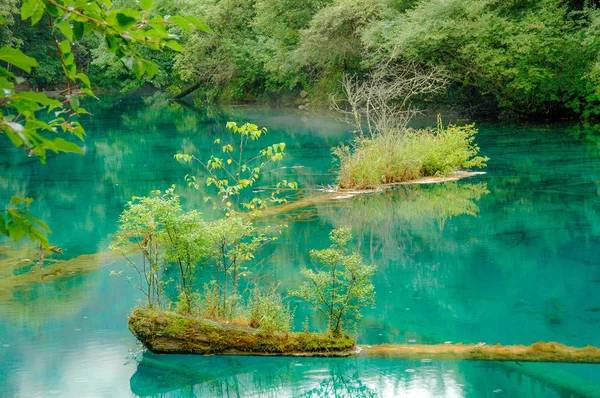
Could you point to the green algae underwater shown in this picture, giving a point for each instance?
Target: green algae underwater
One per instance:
(507, 257)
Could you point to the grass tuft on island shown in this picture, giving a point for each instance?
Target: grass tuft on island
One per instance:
(399, 156)
(165, 332)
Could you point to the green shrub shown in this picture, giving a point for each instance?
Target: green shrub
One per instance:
(340, 285)
(186, 303)
(210, 300)
(396, 157)
(267, 311)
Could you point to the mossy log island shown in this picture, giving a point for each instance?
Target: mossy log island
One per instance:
(170, 333)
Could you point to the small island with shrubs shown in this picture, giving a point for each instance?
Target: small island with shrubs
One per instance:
(338, 290)
(385, 149)
(167, 247)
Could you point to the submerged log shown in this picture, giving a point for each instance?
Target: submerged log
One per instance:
(19, 268)
(537, 352)
(170, 333)
(187, 91)
(337, 194)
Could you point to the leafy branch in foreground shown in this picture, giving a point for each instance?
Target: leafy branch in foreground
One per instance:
(125, 32)
(16, 222)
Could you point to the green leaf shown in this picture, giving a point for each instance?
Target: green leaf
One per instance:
(15, 138)
(88, 92)
(34, 220)
(172, 44)
(40, 98)
(66, 29)
(198, 23)
(69, 59)
(28, 8)
(71, 69)
(111, 44)
(123, 19)
(138, 68)
(74, 101)
(52, 9)
(38, 124)
(181, 22)
(78, 30)
(156, 33)
(145, 4)
(38, 14)
(84, 78)
(64, 46)
(17, 58)
(17, 200)
(66, 146)
(16, 229)
(128, 62)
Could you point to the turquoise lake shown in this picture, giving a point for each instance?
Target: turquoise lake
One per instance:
(508, 257)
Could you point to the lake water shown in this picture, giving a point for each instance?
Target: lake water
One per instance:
(508, 257)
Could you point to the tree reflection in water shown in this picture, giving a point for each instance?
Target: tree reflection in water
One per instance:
(222, 376)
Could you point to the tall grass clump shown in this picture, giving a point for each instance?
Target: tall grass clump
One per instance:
(268, 313)
(398, 156)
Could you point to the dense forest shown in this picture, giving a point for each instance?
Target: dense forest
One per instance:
(531, 58)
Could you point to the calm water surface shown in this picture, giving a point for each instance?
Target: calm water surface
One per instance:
(509, 257)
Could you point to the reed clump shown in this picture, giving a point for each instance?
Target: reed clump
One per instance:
(399, 156)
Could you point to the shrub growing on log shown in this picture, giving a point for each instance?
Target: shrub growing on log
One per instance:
(341, 285)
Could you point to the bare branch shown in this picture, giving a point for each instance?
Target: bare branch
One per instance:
(382, 102)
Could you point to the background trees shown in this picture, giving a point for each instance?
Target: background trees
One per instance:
(531, 58)
(520, 56)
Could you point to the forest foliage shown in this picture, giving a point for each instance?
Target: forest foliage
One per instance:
(517, 57)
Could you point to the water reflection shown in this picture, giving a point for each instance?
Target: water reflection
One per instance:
(408, 219)
(301, 377)
(129, 147)
(193, 376)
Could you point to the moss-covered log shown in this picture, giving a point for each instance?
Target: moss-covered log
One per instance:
(171, 333)
(537, 352)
